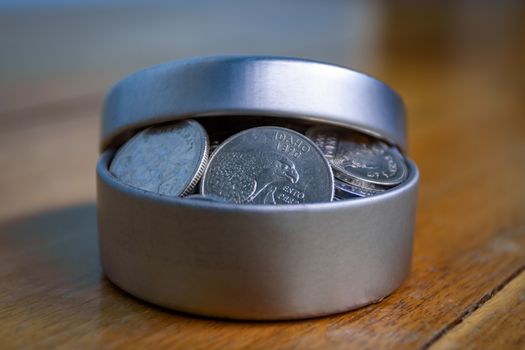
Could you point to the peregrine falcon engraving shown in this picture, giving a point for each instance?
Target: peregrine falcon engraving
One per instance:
(245, 177)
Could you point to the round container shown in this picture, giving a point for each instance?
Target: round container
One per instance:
(253, 261)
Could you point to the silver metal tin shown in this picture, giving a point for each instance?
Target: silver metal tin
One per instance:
(254, 86)
(252, 261)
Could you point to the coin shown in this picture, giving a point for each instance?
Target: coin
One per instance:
(360, 157)
(344, 190)
(168, 159)
(352, 181)
(208, 198)
(269, 165)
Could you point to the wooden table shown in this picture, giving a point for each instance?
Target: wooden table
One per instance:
(460, 70)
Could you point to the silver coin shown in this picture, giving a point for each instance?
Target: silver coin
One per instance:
(168, 159)
(269, 165)
(359, 156)
(208, 198)
(344, 190)
(352, 181)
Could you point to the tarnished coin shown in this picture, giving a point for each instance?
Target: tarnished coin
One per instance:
(168, 159)
(359, 156)
(268, 165)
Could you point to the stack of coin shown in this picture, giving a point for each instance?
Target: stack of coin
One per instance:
(363, 166)
(267, 164)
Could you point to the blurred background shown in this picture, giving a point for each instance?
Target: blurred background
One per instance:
(456, 64)
(460, 60)
(459, 66)
(58, 49)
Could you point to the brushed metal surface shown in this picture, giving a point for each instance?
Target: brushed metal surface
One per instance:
(255, 262)
(254, 86)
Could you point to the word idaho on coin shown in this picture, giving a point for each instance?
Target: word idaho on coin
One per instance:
(268, 165)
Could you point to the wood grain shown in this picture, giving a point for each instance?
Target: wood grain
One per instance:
(460, 71)
(499, 322)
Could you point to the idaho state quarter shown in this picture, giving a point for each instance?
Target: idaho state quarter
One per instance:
(167, 159)
(360, 157)
(269, 165)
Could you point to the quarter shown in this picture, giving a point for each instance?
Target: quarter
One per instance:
(345, 190)
(360, 157)
(200, 197)
(269, 165)
(168, 159)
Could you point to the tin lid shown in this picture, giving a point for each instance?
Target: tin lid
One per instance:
(253, 86)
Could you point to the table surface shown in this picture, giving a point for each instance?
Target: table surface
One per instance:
(460, 71)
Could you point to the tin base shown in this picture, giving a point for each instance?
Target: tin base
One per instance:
(255, 262)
